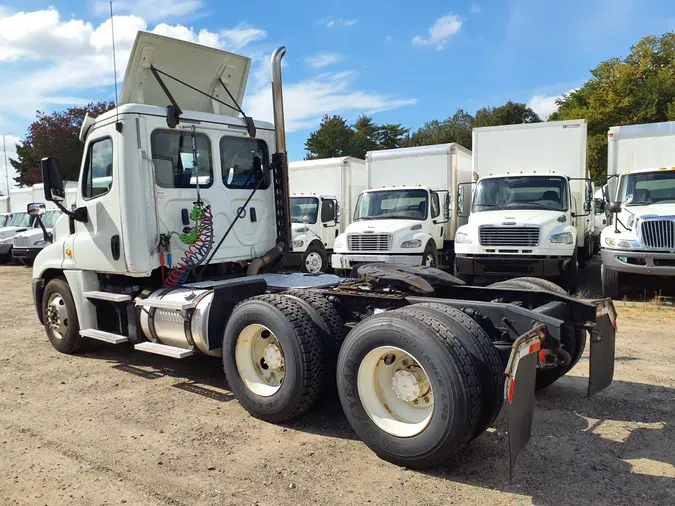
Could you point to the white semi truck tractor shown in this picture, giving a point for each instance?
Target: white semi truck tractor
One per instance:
(641, 189)
(407, 215)
(531, 210)
(323, 194)
(180, 222)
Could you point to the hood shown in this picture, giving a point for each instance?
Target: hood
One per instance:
(650, 211)
(533, 217)
(32, 233)
(6, 232)
(381, 226)
(199, 66)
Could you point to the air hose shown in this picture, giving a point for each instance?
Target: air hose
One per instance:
(200, 241)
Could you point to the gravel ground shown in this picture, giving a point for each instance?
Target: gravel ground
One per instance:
(114, 426)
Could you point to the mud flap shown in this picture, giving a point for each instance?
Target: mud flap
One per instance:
(603, 336)
(521, 372)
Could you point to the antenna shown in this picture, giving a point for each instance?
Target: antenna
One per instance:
(118, 125)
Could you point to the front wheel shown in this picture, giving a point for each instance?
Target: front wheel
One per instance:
(570, 274)
(60, 317)
(430, 256)
(610, 282)
(314, 260)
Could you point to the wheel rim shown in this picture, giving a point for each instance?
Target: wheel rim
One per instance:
(57, 316)
(260, 360)
(395, 391)
(313, 262)
(429, 260)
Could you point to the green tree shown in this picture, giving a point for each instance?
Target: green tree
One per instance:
(57, 135)
(637, 89)
(390, 136)
(333, 138)
(511, 113)
(365, 136)
(456, 128)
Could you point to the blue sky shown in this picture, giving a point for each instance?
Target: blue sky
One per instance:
(401, 62)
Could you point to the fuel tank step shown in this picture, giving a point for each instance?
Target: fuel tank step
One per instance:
(163, 349)
(109, 296)
(170, 305)
(101, 335)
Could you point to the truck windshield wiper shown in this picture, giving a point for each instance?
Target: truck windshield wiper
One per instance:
(490, 205)
(364, 218)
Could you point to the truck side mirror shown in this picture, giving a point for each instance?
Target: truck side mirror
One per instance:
(35, 209)
(51, 177)
(337, 212)
(614, 207)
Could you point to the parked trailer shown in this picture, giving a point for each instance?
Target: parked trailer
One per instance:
(421, 362)
(641, 181)
(531, 209)
(323, 194)
(406, 216)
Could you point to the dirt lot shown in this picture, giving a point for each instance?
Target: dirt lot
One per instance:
(114, 426)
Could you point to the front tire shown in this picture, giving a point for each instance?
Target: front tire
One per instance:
(408, 388)
(60, 317)
(430, 255)
(570, 275)
(611, 282)
(314, 259)
(273, 357)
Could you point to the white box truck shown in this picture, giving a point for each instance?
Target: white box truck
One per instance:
(406, 215)
(641, 188)
(323, 194)
(530, 214)
(17, 221)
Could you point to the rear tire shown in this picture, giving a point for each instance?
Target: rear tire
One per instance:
(418, 439)
(60, 317)
(611, 282)
(483, 354)
(288, 390)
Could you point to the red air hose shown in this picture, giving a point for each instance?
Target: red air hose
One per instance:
(196, 253)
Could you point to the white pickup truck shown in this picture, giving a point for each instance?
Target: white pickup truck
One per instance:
(406, 215)
(323, 194)
(641, 172)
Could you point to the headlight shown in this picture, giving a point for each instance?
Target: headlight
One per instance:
(462, 238)
(6, 241)
(621, 243)
(564, 238)
(415, 243)
(298, 244)
(337, 244)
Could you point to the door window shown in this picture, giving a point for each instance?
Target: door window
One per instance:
(435, 205)
(243, 162)
(327, 211)
(98, 169)
(174, 161)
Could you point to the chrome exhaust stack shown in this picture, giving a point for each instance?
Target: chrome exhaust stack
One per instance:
(278, 100)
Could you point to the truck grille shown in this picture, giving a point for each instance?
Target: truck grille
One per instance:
(658, 233)
(509, 236)
(21, 242)
(369, 242)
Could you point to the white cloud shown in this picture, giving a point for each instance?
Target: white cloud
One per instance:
(440, 32)
(475, 9)
(321, 60)
(150, 10)
(544, 105)
(307, 101)
(388, 39)
(337, 22)
(10, 142)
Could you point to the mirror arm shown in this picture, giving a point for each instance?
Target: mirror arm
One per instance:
(45, 234)
(80, 214)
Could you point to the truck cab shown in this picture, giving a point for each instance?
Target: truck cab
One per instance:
(26, 245)
(314, 222)
(15, 224)
(395, 225)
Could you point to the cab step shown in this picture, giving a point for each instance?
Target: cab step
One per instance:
(101, 335)
(170, 305)
(109, 296)
(163, 349)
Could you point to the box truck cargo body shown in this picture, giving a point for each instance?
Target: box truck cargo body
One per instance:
(323, 194)
(531, 206)
(406, 216)
(641, 186)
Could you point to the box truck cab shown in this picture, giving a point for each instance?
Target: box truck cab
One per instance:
(323, 194)
(530, 214)
(407, 215)
(641, 190)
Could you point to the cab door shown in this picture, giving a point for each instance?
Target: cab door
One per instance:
(439, 220)
(329, 221)
(97, 244)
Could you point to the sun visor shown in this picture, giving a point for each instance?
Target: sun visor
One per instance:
(198, 66)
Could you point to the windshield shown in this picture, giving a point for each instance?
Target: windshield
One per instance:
(20, 220)
(304, 206)
(648, 187)
(392, 204)
(523, 192)
(50, 218)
